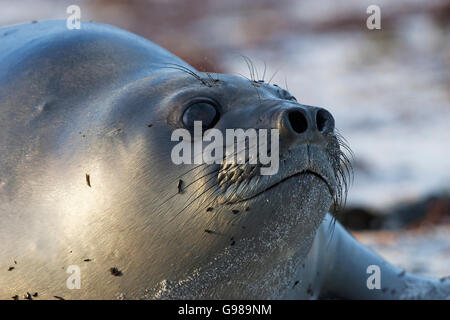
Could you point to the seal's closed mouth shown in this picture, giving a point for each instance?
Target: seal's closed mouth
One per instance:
(304, 172)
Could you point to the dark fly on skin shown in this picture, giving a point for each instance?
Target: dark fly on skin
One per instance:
(88, 180)
(180, 186)
(115, 272)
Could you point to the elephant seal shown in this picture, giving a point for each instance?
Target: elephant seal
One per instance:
(88, 188)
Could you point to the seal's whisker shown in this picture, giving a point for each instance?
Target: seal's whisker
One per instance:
(182, 68)
(214, 197)
(346, 147)
(346, 164)
(249, 66)
(191, 169)
(216, 172)
(176, 193)
(254, 84)
(343, 189)
(273, 75)
(191, 183)
(259, 96)
(338, 198)
(186, 172)
(331, 227)
(227, 157)
(212, 81)
(188, 71)
(256, 71)
(346, 159)
(343, 173)
(203, 176)
(344, 185)
(340, 136)
(344, 195)
(343, 142)
(190, 203)
(201, 186)
(264, 73)
(209, 173)
(241, 75)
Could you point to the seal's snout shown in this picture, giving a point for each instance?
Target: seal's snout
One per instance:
(304, 123)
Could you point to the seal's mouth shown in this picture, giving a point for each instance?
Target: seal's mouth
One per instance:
(236, 183)
(239, 183)
(293, 176)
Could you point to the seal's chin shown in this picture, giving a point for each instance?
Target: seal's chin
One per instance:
(298, 175)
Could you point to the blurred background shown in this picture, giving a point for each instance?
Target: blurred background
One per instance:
(388, 89)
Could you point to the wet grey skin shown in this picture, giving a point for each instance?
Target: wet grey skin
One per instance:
(86, 179)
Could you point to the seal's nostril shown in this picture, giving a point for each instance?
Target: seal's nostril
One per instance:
(321, 120)
(298, 121)
(324, 120)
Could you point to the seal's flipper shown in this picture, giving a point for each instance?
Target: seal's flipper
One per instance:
(349, 274)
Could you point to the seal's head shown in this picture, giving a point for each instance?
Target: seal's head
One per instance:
(202, 208)
(89, 170)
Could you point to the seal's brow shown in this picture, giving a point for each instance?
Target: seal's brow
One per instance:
(207, 82)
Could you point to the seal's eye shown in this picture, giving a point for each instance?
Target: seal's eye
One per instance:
(200, 111)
